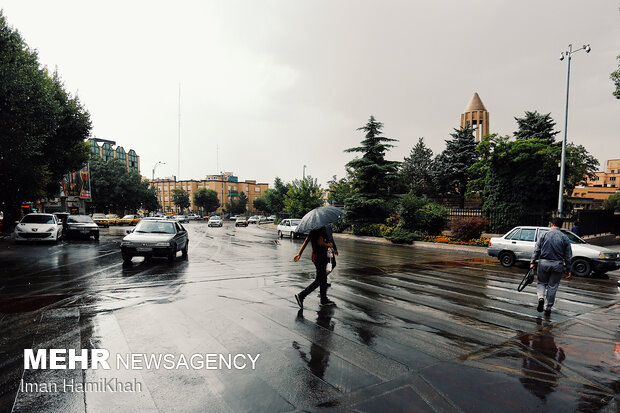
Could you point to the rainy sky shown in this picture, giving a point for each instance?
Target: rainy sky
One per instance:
(279, 84)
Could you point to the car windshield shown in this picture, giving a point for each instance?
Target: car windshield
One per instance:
(155, 227)
(79, 218)
(128, 217)
(572, 237)
(98, 216)
(38, 219)
(110, 216)
(295, 221)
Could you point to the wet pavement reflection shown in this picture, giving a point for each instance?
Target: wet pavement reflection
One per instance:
(414, 329)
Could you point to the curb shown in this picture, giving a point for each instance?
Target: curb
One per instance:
(467, 249)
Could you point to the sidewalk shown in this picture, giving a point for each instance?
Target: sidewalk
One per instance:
(467, 249)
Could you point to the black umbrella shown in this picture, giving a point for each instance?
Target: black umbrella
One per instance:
(527, 280)
(318, 218)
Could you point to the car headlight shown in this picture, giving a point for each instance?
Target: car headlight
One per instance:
(162, 244)
(607, 255)
(50, 230)
(18, 229)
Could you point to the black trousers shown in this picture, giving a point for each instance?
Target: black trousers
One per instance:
(319, 281)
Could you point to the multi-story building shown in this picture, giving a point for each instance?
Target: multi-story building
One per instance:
(599, 188)
(226, 185)
(107, 152)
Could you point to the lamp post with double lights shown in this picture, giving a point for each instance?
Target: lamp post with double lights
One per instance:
(568, 54)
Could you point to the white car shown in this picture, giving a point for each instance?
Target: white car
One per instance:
(253, 219)
(518, 245)
(38, 227)
(215, 221)
(288, 227)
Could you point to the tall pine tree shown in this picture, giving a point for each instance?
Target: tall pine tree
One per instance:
(374, 177)
(416, 170)
(536, 126)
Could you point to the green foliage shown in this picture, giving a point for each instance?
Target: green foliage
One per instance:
(536, 126)
(417, 170)
(452, 168)
(206, 199)
(238, 206)
(580, 166)
(371, 230)
(612, 203)
(274, 198)
(303, 196)
(180, 197)
(421, 215)
(373, 177)
(340, 225)
(615, 77)
(115, 189)
(42, 127)
(339, 190)
(260, 205)
(400, 235)
(468, 228)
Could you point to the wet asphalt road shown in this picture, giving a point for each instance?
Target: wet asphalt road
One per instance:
(414, 329)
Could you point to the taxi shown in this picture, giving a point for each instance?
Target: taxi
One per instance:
(129, 220)
(112, 219)
(101, 220)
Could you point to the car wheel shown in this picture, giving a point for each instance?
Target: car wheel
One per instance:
(506, 258)
(127, 258)
(280, 234)
(172, 254)
(96, 236)
(184, 252)
(581, 267)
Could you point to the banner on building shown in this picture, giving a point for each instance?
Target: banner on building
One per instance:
(76, 184)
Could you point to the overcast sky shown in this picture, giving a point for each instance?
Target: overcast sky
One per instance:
(282, 84)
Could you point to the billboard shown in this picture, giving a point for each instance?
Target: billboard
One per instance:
(76, 184)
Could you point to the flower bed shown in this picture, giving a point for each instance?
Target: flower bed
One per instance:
(442, 239)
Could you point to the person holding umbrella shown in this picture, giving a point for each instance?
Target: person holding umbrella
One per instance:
(316, 222)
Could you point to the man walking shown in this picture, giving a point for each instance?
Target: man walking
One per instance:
(554, 253)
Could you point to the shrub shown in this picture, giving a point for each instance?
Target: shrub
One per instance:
(340, 225)
(469, 228)
(401, 235)
(373, 230)
(432, 218)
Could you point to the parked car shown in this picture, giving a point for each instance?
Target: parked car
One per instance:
(129, 220)
(112, 219)
(155, 238)
(101, 220)
(235, 217)
(181, 218)
(215, 221)
(262, 219)
(271, 218)
(518, 245)
(253, 219)
(194, 217)
(241, 222)
(38, 227)
(288, 227)
(81, 226)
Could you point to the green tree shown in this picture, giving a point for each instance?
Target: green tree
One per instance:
(416, 171)
(206, 199)
(580, 166)
(275, 197)
(421, 215)
(536, 126)
(615, 77)
(242, 203)
(42, 128)
(261, 205)
(180, 198)
(452, 168)
(303, 196)
(373, 176)
(612, 203)
(339, 190)
(115, 189)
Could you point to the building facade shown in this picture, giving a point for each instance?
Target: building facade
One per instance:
(477, 116)
(106, 151)
(226, 185)
(602, 186)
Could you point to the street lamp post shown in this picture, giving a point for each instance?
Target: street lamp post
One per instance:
(155, 167)
(568, 54)
(304, 173)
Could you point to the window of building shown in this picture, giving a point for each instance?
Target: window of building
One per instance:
(256, 189)
(166, 198)
(94, 150)
(133, 160)
(612, 178)
(106, 152)
(121, 155)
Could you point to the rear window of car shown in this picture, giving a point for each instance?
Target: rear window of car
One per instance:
(528, 234)
(79, 218)
(38, 219)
